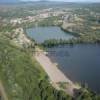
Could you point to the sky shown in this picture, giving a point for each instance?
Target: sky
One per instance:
(69, 0)
(53, 0)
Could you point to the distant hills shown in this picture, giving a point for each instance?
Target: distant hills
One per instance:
(20, 1)
(13, 1)
(9, 1)
(23, 1)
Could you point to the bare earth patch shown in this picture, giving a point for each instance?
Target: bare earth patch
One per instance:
(57, 78)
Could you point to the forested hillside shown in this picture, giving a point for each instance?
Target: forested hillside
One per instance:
(22, 76)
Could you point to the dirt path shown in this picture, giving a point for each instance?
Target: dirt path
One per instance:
(2, 92)
(55, 75)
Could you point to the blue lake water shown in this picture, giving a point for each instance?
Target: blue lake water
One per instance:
(40, 34)
(81, 63)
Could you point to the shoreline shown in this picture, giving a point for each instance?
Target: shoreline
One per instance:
(56, 76)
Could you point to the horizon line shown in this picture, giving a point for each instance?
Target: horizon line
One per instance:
(60, 1)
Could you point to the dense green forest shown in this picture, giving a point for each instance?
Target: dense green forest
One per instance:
(84, 39)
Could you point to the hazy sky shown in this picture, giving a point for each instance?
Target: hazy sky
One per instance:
(69, 0)
(53, 0)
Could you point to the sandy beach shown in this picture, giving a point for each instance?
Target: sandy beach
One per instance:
(56, 75)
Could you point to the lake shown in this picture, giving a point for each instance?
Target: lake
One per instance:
(40, 34)
(81, 63)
